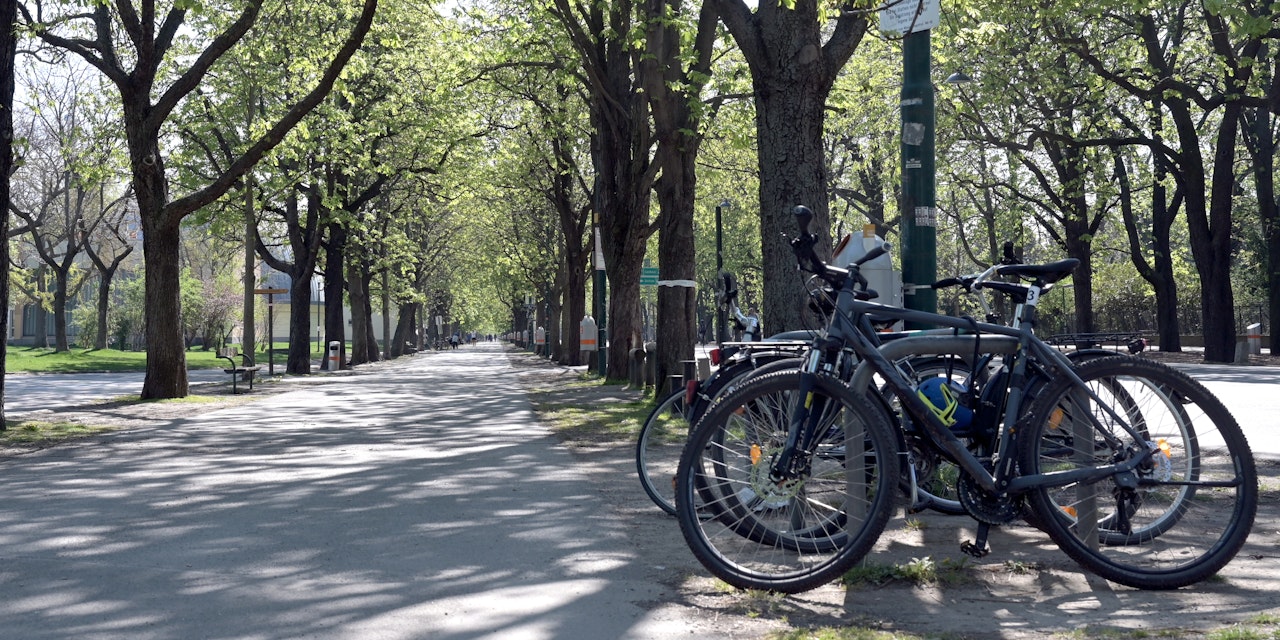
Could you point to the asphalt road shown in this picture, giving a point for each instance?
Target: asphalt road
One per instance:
(1252, 394)
(425, 501)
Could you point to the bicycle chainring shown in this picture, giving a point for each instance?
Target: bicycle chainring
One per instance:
(985, 506)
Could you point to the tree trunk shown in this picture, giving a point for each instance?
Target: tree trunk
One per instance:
(620, 151)
(299, 360)
(60, 343)
(359, 300)
(1214, 255)
(1163, 281)
(404, 329)
(386, 313)
(1159, 272)
(334, 285)
(104, 303)
(249, 337)
(676, 127)
(789, 129)
(792, 73)
(372, 352)
(1078, 241)
(166, 350)
(622, 201)
(1263, 148)
(555, 311)
(8, 52)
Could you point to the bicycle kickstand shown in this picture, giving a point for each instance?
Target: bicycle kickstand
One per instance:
(978, 548)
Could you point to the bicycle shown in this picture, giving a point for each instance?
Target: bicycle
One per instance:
(1134, 470)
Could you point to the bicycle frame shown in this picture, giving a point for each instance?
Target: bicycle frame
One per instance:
(850, 330)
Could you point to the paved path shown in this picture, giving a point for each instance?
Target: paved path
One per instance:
(423, 501)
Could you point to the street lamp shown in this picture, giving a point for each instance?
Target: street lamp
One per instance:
(721, 314)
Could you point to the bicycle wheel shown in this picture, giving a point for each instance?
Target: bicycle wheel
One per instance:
(807, 529)
(1177, 518)
(658, 450)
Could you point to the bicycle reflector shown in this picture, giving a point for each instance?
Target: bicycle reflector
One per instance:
(714, 354)
(942, 396)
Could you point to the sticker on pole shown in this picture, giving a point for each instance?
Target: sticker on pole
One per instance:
(926, 216)
(900, 17)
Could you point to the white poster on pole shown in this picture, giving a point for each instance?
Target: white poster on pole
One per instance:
(900, 17)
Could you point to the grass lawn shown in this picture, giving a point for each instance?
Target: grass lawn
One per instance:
(33, 360)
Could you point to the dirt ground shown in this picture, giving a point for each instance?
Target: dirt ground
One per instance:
(1025, 588)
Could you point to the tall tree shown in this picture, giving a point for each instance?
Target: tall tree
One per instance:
(621, 151)
(107, 248)
(1260, 139)
(1197, 63)
(8, 55)
(674, 90)
(792, 72)
(130, 43)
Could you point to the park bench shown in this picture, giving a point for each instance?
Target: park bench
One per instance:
(1130, 340)
(244, 371)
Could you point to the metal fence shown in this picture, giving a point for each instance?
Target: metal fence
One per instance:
(1143, 320)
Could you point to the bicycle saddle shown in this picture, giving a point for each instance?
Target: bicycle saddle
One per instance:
(1048, 273)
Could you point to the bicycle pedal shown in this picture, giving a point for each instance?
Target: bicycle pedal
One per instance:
(974, 550)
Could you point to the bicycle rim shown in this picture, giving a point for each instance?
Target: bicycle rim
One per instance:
(797, 534)
(1194, 500)
(658, 450)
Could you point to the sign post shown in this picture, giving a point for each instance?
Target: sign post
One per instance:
(648, 276)
(271, 324)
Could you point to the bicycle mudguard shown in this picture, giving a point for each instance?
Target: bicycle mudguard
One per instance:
(952, 345)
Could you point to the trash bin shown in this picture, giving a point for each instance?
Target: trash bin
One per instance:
(334, 360)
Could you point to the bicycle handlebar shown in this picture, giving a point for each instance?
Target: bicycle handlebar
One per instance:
(802, 245)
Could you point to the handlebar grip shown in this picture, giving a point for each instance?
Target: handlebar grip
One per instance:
(804, 216)
(946, 282)
(873, 253)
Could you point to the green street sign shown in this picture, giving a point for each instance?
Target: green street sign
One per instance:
(648, 276)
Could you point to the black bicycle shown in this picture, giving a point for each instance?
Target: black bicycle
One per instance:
(1135, 470)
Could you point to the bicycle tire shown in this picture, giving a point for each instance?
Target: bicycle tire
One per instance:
(658, 448)
(1194, 502)
(765, 548)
